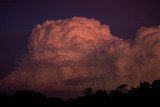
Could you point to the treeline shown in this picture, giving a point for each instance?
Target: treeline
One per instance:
(145, 94)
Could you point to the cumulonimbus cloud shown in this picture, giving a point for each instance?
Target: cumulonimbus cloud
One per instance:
(76, 53)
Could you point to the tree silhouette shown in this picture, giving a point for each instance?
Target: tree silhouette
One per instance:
(101, 93)
(145, 85)
(143, 95)
(87, 92)
(122, 88)
(156, 85)
(27, 98)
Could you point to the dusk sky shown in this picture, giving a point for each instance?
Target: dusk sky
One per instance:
(19, 17)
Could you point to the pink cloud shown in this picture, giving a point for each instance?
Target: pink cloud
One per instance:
(76, 53)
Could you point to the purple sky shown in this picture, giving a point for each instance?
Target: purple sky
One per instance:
(18, 17)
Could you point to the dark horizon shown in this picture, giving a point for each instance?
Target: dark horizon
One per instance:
(142, 95)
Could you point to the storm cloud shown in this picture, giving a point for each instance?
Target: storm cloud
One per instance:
(77, 53)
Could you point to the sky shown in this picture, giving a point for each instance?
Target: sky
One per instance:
(19, 17)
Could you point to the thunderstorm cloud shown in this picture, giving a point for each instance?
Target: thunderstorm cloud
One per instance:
(77, 53)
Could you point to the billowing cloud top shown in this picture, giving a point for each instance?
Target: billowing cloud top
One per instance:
(76, 53)
(64, 39)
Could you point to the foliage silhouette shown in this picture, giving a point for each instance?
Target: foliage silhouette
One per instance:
(87, 92)
(143, 95)
(122, 88)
